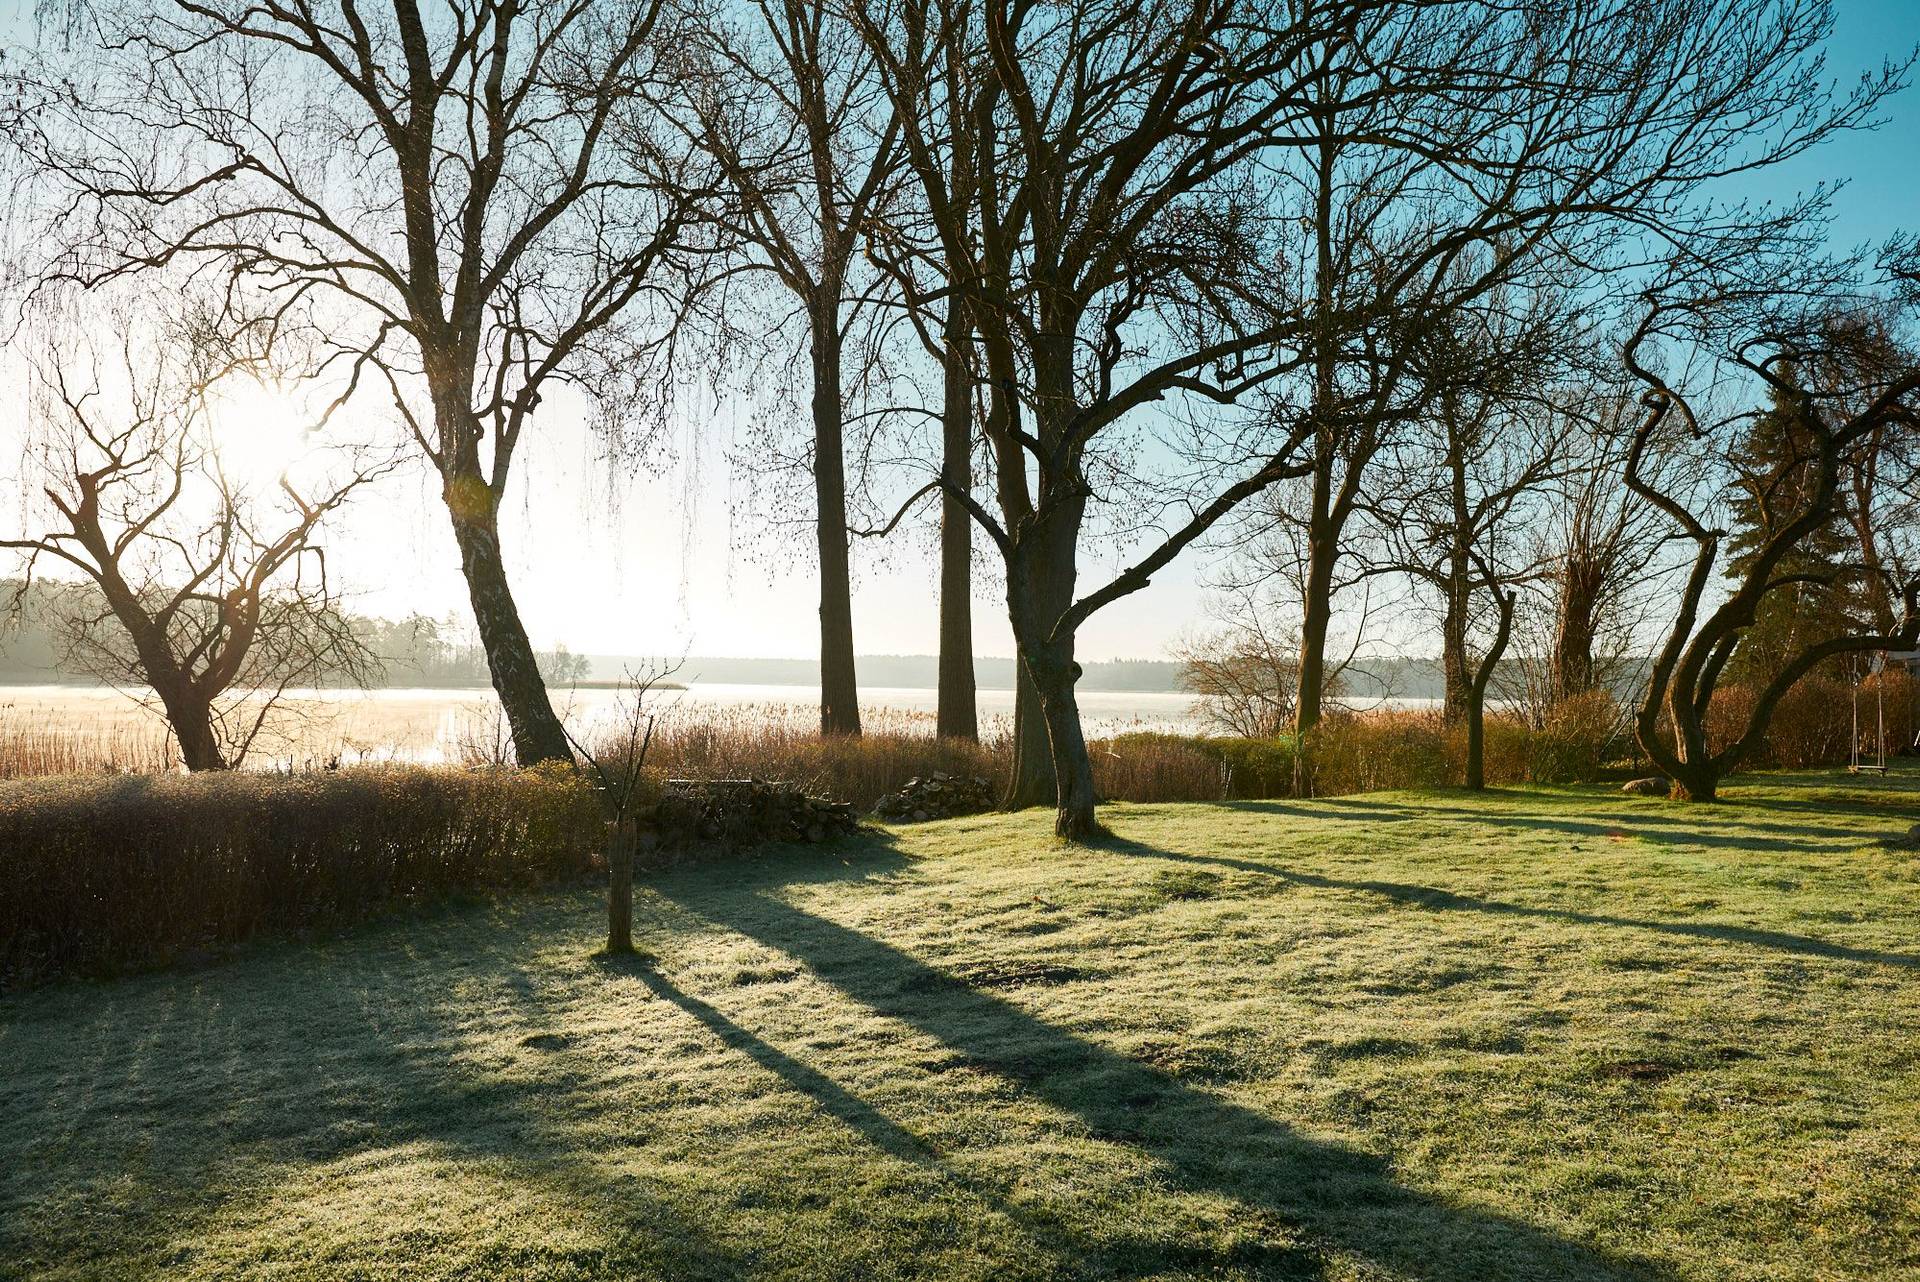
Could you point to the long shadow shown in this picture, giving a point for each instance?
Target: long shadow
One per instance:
(1340, 1199)
(879, 1129)
(1690, 820)
(1319, 808)
(1438, 898)
(1689, 829)
(1901, 803)
(1046, 1230)
(362, 1059)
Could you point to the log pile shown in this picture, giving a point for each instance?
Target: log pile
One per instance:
(736, 813)
(938, 795)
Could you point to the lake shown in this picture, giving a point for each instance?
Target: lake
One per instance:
(437, 725)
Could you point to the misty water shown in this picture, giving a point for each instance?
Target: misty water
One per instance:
(450, 725)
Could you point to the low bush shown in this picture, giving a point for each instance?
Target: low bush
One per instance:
(100, 875)
(1368, 752)
(1151, 766)
(1813, 724)
(1580, 737)
(103, 874)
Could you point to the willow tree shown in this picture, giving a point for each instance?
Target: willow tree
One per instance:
(436, 190)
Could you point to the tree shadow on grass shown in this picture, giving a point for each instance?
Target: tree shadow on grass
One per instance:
(1441, 899)
(1344, 1203)
(184, 1111)
(1704, 827)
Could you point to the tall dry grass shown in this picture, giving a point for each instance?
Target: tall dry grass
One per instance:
(35, 746)
(779, 742)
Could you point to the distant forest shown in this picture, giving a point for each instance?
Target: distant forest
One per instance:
(439, 653)
(416, 651)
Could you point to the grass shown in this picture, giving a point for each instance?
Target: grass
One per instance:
(1554, 1034)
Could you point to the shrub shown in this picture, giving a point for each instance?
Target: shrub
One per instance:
(1577, 740)
(1150, 766)
(1378, 750)
(1813, 725)
(755, 743)
(99, 875)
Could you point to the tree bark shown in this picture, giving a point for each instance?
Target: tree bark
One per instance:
(191, 718)
(1572, 671)
(622, 836)
(958, 711)
(839, 690)
(1458, 695)
(1055, 673)
(1040, 585)
(537, 733)
(1476, 773)
(1031, 782)
(1315, 617)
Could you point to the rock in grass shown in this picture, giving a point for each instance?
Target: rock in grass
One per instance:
(1909, 841)
(1651, 786)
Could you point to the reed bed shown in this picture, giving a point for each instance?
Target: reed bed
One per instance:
(91, 733)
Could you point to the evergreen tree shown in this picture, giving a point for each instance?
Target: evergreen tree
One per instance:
(1819, 590)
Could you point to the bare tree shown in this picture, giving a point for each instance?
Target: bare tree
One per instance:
(1195, 203)
(198, 587)
(1838, 403)
(435, 190)
(796, 121)
(1111, 270)
(1645, 107)
(1466, 482)
(1601, 545)
(1242, 670)
(619, 774)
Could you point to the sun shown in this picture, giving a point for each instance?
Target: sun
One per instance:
(259, 431)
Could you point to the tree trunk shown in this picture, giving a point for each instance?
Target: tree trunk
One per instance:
(1458, 698)
(1040, 586)
(622, 836)
(1315, 616)
(1032, 782)
(537, 733)
(958, 712)
(1695, 775)
(839, 691)
(1039, 590)
(1055, 673)
(1476, 709)
(1695, 785)
(191, 718)
(1316, 610)
(1572, 662)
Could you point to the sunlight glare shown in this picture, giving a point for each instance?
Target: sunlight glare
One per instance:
(258, 430)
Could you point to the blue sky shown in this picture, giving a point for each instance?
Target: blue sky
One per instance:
(651, 565)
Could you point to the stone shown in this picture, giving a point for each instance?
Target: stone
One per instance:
(937, 795)
(1651, 786)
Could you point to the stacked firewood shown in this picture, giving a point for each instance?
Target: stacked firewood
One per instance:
(938, 795)
(746, 812)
